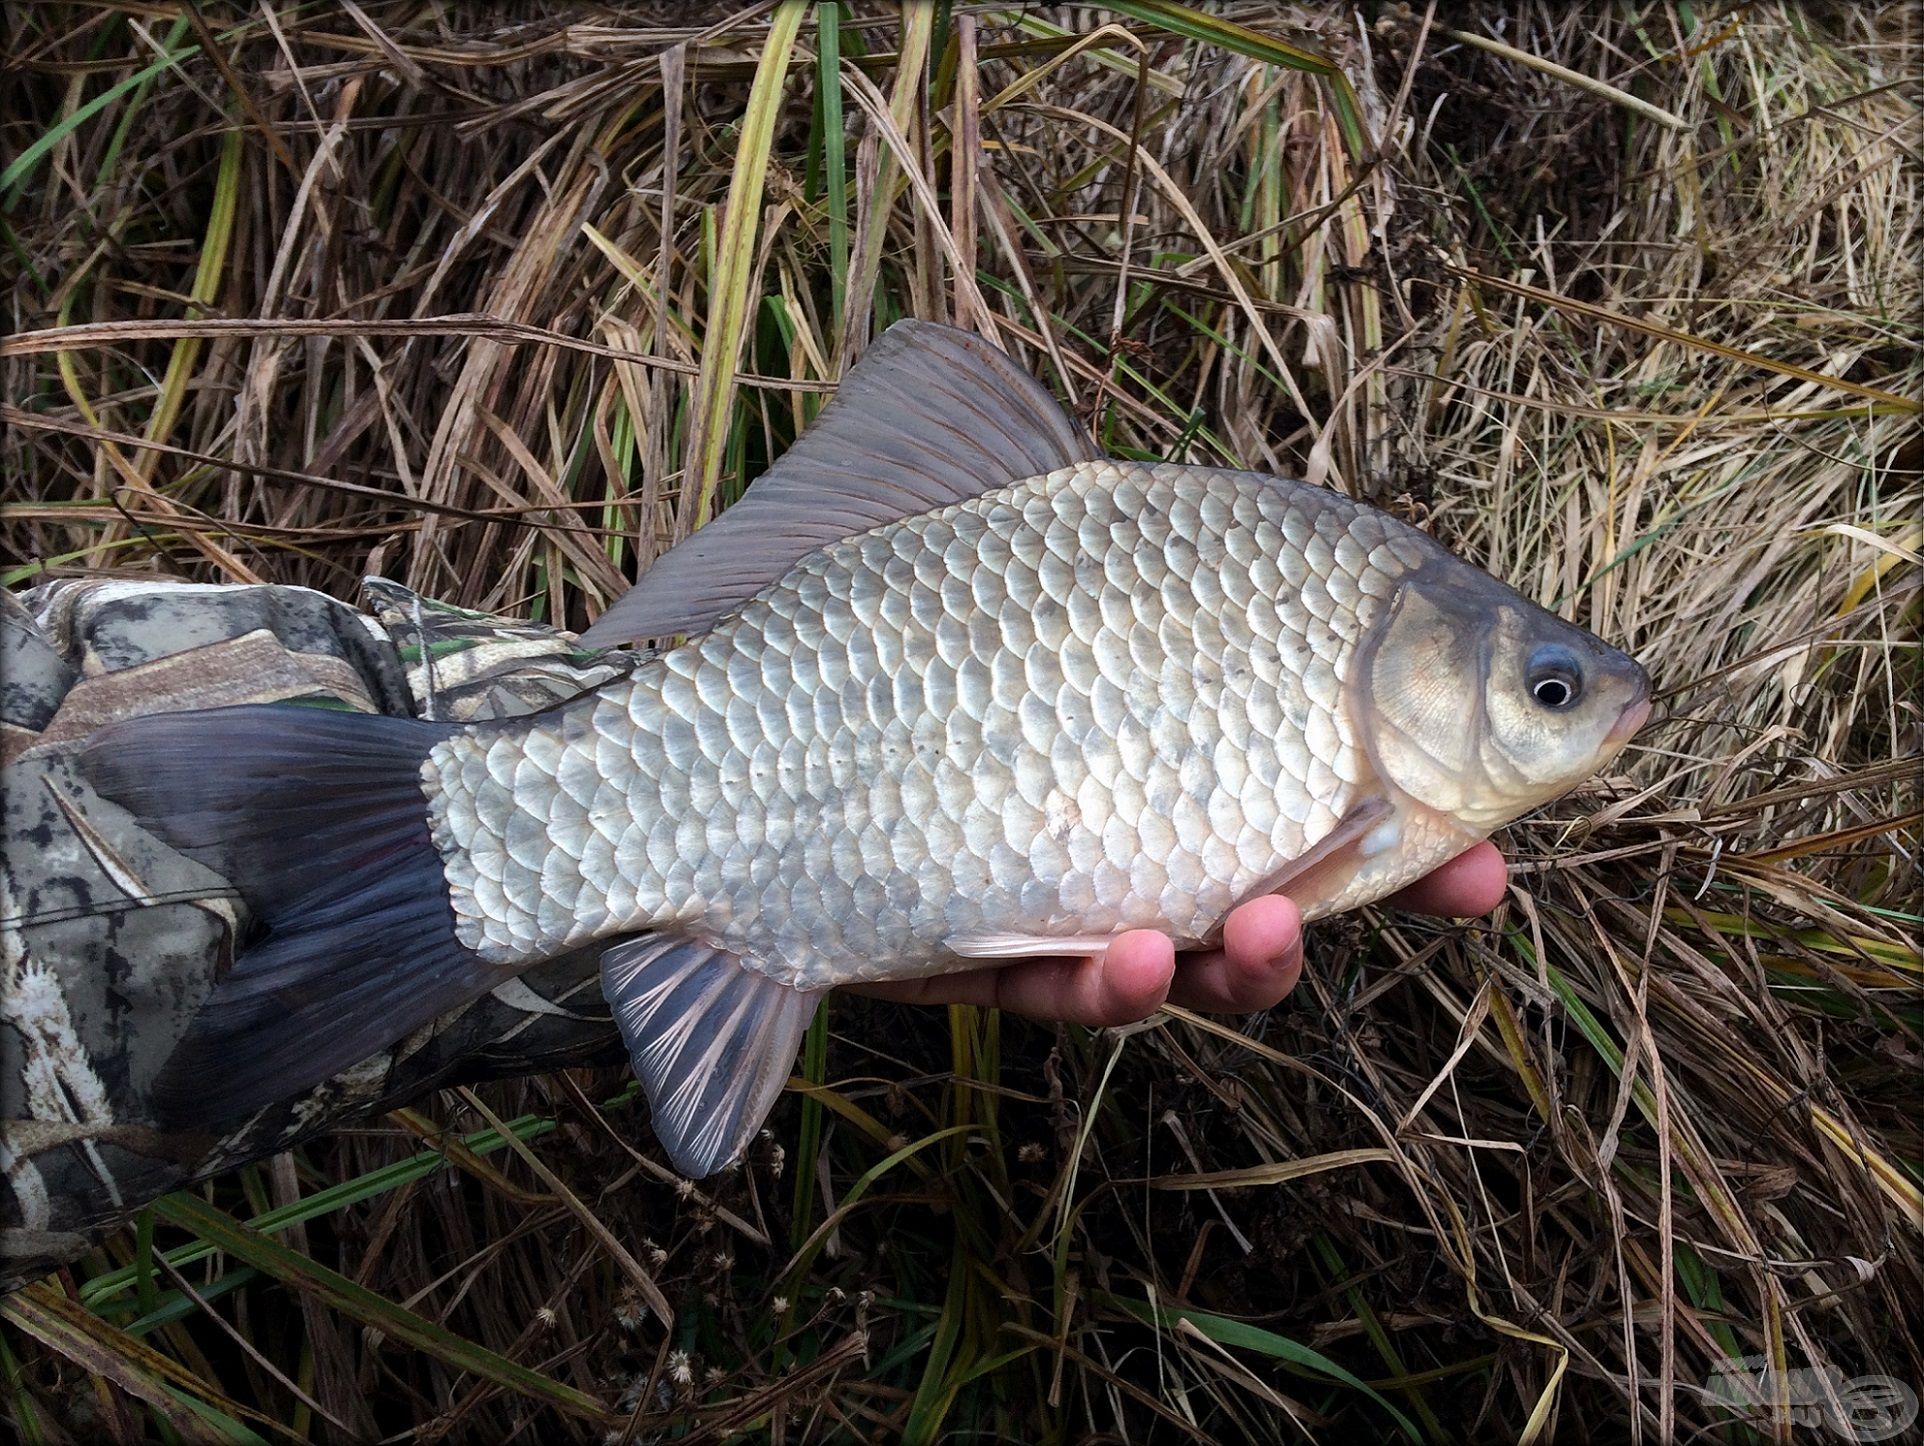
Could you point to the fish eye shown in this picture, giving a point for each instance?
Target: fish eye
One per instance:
(1554, 677)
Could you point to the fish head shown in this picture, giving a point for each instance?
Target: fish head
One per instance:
(1481, 705)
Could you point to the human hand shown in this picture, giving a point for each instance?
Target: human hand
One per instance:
(1260, 960)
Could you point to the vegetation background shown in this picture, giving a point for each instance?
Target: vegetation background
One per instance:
(1622, 301)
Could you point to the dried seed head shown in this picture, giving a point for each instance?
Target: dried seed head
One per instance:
(630, 1309)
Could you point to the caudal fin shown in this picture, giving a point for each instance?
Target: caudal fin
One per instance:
(319, 819)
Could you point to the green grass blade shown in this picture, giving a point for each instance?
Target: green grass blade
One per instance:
(226, 1429)
(65, 1326)
(1227, 1332)
(828, 42)
(728, 297)
(1228, 35)
(128, 125)
(207, 282)
(809, 1143)
(22, 165)
(368, 1186)
(27, 1416)
(333, 1289)
(935, 1393)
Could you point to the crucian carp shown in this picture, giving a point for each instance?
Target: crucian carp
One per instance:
(953, 688)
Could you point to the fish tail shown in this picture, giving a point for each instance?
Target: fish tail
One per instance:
(319, 819)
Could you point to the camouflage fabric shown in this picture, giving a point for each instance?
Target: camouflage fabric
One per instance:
(109, 939)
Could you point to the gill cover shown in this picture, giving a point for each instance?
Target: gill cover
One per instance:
(1481, 706)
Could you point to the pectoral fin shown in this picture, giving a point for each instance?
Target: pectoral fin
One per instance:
(711, 1039)
(1318, 874)
(993, 947)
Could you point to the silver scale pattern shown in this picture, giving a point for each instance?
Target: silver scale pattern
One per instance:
(1106, 698)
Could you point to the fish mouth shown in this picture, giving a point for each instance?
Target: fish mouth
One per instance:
(1635, 714)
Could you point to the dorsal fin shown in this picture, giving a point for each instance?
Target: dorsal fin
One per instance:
(929, 416)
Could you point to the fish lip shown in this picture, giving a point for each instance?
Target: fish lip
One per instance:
(1635, 714)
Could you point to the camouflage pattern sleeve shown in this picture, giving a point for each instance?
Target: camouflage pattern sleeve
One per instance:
(109, 939)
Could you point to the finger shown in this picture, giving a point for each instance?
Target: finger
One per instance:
(1472, 883)
(1260, 961)
(1128, 983)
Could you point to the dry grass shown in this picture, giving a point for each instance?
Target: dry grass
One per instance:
(1537, 1176)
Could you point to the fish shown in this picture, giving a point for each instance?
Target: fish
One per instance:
(952, 689)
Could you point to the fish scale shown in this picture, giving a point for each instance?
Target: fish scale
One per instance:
(1100, 699)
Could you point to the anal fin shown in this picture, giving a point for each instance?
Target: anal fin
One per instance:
(711, 1039)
